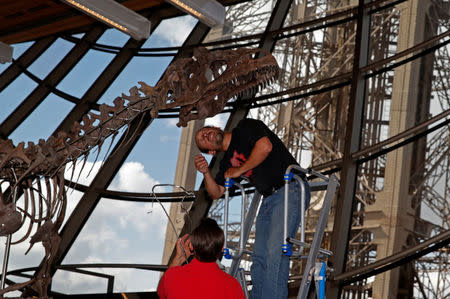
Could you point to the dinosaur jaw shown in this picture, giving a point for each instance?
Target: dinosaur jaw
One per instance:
(244, 78)
(252, 82)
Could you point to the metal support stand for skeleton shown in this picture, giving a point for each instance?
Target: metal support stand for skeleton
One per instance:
(311, 271)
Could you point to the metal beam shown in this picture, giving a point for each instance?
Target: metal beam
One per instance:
(395, 260)
(275, 23)
(102, 180)
(203, 202)
(105, 175)
(24, 61)
(344, 206)
(121, 151)
(39, 94)
(99, 87)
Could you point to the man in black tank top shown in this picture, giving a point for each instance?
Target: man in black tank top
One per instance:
(251, 149)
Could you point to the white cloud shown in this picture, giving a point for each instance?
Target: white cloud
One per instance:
(133, 178)
(167, 138)
(171, 122)
(219, 120)
(116, 232)
(83, 173)
(124, 280)
(175, 30)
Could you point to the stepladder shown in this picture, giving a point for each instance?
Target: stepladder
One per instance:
(316, 256)
(315, 269)
(246, 221)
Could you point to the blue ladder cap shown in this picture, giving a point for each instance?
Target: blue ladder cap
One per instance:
(226, 253)
(287, 249)
(229, 183)
(288, 177)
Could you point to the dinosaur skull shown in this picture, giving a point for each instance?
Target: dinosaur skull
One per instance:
(203, 84)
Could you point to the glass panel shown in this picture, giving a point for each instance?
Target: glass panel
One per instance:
(78, 35)
(18, 50)
(87, 70)
(159, 161)
(398, 28)
(43, 121)
(384, 29)
(246, 18)
(113, 37)
(146, 69)
(122, 232)
(14, 94)
(42, 66)
(125, 280)
(171, 32)
(314, 56)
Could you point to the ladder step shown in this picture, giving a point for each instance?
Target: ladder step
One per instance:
(306, 245)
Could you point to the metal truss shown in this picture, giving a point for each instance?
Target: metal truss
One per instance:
(314, 127)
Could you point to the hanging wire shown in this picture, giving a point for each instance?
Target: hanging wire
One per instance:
(187, 194)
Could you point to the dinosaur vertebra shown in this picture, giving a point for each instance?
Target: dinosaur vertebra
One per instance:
(204, 82)
(200, 86)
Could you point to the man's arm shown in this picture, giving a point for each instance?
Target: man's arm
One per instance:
(214, 190)
(259, 153)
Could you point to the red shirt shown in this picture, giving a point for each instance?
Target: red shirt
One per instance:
(199, 280)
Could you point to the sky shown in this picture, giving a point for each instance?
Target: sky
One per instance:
(117, 231)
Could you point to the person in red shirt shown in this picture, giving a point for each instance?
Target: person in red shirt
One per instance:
(201, 278)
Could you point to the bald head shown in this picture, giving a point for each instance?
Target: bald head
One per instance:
(209, 139)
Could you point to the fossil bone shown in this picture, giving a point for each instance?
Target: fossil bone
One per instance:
(200, 85)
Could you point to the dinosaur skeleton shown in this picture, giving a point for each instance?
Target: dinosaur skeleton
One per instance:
(200, 85)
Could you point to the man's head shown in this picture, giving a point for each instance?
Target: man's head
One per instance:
(209, 139)
(207, 240)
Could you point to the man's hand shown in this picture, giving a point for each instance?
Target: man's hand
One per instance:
(233, 172)
(184, 251)
(259, 153)
(201, 164)
(214, 190)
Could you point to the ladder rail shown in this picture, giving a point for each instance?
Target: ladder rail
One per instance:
(318, 236)
(226, 251)
(247, 220)
(286, 245)
(248, 223)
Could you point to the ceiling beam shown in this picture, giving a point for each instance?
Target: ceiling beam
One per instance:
(90, 199)
(344, 206)
(202, 203)
(40, 93)
(32, 23)
(24, 61)
(99, 87)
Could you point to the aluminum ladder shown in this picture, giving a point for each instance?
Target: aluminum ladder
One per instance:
(313, 270)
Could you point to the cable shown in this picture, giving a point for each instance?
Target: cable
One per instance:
(188, 193)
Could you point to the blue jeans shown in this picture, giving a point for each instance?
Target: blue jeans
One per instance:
(270, 267)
